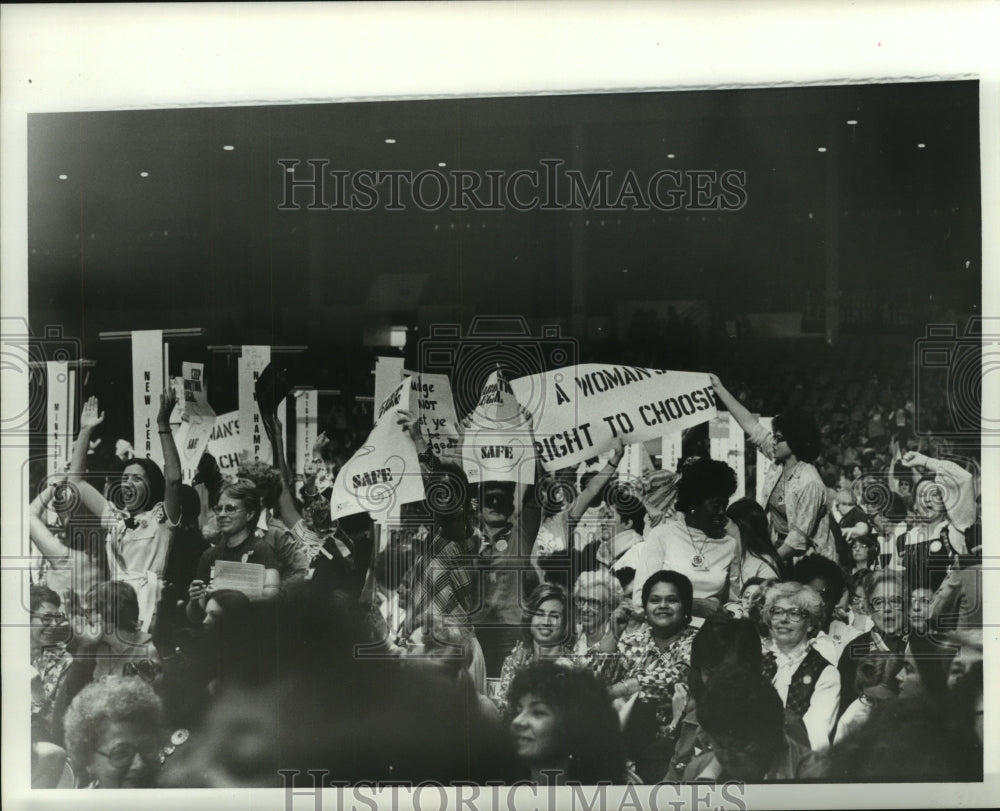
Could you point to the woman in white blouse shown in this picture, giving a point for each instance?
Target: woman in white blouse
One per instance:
(809, 686)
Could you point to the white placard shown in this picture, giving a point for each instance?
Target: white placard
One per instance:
(252, 362)
(147, 385)
(385, 471)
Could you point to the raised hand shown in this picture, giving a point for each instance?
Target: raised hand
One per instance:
(90, 416)
(168, 399)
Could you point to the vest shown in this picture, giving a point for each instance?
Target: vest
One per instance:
(800, 690)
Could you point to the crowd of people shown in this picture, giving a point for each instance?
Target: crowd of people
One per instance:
(582, 629)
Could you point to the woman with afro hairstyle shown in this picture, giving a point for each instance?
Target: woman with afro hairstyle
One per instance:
(797, 498)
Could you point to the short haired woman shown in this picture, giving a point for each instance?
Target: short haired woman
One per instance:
(809, 686)
(115, 734)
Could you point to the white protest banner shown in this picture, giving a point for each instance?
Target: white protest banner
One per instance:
(225, 444)
(251, 363)
(147, 385)
(726, 442)
(497, 445)
(763, 465)
(197, 419)
(385, 471)
(306, 424)
(577, 411)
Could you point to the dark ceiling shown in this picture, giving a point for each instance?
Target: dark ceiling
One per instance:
(203, 233)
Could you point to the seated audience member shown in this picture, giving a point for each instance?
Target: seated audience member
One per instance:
(115, 734)
(828, 580)
(238, 510)
(744, 721)
(648, 664)
(886, 605)
(545, 634)
(595, 596)
(849, 525)
(722, 646)
(696, 542)
(53, 684)
(926, 664)
(275, 709)
(871, 689)
(758, 558)
(501, 560)
(741, 608)
(563, 727)
(807, 683)
(904, 740)
(629, 525)
(113, 638)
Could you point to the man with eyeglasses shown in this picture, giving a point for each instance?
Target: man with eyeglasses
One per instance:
(505, 574)
(886, 602)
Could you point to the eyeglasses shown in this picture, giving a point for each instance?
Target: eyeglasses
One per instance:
(500, 503)
(882, 602)
(863, 544)
(48, 620)
(794, 614)
(586, 602)
(122, 754)
(226, 509)
(145, 669)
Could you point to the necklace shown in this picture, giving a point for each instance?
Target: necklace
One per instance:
(698, 559)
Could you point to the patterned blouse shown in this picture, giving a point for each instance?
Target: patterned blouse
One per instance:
(51, 664)
(517, 660)
(656, 670)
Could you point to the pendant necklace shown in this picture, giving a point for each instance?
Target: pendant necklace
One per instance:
(698, 560)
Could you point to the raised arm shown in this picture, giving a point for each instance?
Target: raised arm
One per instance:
(41, 536)
(90, 497)
(171, 459)
(747, 421)
(597, 482)
(960, 502)
(288, 512)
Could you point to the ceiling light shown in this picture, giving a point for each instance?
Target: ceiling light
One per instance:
(821, 149)
(390, 140)
(851, 122)
(670, 156)
(229, 147)
(143, 174)
(921, 146)
(442, 164)
(64, 177)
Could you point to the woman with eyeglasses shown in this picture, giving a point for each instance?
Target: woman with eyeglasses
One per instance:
(545, 635)
(51, 663)
(797, 497)
(595, 596)
(885, 600)
(141, 513)
(808, 685)
(237, 512)
(115, 734)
